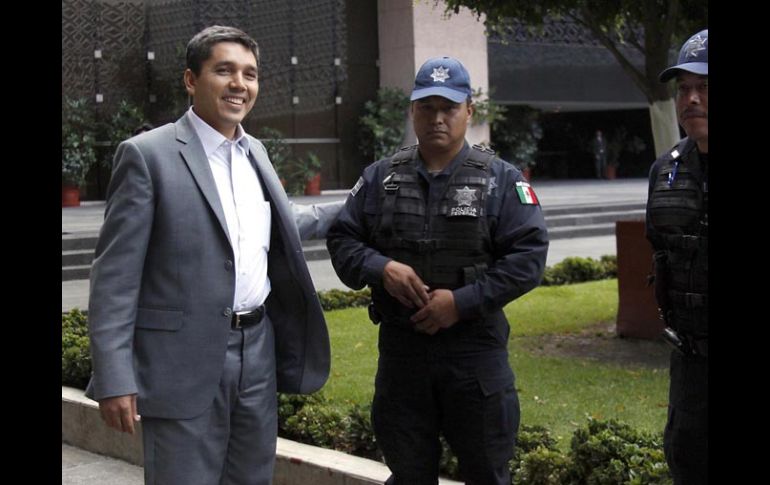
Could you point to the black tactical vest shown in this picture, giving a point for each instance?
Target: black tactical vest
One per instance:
(448, 245)
(678, 212)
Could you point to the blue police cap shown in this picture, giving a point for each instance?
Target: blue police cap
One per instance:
(693, 57)
(442, 76)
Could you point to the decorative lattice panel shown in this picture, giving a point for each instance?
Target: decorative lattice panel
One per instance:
(114, 28)
(313, 31)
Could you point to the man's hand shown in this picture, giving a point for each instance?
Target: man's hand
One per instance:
(440, 312)
(120, 412)
(403, 284)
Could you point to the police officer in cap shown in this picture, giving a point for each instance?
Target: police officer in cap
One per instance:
(445, 235)
(677, 227)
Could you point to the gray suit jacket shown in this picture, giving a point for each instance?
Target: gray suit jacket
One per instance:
(163, 280)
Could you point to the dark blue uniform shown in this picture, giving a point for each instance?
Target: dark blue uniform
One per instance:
(457, 382)
(677, 227)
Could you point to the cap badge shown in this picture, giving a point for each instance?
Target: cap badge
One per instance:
(440, 74)
(695, 45)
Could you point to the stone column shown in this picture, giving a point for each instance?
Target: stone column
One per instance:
(412, 31)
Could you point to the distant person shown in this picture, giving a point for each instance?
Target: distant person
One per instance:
(201, 304)
(142, 128)
(599, 146)
(677, 227)
(445, 234)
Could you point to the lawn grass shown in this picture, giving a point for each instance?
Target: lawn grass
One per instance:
(563, 309)
(559, 393)
(555, 392)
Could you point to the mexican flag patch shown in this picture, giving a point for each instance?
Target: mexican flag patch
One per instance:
(526, 194)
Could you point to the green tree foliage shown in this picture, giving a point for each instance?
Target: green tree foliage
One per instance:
(277, 149)
(121, 125)
(516, 136)
(651, 27)
(78, 134)
(383, 124)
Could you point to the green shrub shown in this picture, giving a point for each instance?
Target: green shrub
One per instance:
(532, 437)
(337, 299)
(542, 466)
(75, 350)
(610, 452)
(609, 264)
(319, 425)
(313, 420)
(360, 433)
(448, 466)
(577, 270)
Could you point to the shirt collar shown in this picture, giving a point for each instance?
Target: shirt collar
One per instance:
(211, 139)
(458, 159)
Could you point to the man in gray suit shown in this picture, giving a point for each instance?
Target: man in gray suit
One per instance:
(201, 304)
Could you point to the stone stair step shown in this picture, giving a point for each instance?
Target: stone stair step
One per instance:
(590, 230)
(77, 257)
(590, 218)
(80, 272)
(563, 223)
(71, 242)
(582, 208)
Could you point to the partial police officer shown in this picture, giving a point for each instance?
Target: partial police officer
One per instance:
(677, 227)
(445, 235)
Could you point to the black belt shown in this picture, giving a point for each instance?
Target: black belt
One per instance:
(246, 319)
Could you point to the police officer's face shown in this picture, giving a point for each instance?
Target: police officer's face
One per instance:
(440, 123)
(226, 88)
(692, 105)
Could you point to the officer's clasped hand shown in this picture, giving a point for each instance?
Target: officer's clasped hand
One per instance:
(403, 284)
(440, 312)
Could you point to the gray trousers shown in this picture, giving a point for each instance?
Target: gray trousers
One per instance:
(234, 441)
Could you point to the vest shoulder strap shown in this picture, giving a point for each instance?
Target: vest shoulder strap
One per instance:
(480, 157)
(403, 155)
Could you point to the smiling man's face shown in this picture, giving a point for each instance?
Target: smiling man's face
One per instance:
(226, 88)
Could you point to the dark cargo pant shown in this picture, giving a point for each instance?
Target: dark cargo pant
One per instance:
(471, 400)
(686, 437)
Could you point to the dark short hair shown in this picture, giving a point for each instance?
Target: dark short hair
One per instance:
(199, 47)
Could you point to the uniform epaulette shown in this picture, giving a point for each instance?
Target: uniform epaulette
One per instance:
(403, 155)
(480, 156)
(678, 150)
(482, 148)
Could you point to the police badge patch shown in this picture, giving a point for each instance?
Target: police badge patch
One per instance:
(464, 198)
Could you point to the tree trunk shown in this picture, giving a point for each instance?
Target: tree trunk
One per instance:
(665, 129)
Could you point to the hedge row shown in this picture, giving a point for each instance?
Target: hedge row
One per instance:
(601, 452)
(577, 270)
(75, 350)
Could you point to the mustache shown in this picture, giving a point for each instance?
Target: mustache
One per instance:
(693, 113)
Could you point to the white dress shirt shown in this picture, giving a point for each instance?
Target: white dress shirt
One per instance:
(246, 211)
